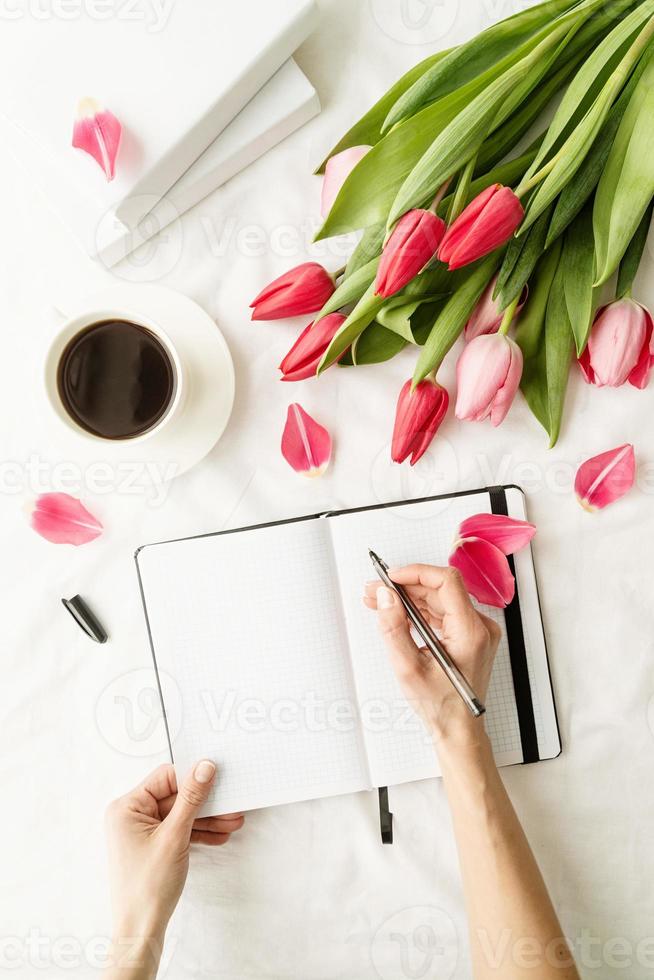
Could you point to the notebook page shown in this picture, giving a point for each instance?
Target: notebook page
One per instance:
(398, 747)
(249, 627)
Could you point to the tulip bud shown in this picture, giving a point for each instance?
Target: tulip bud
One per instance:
(337, 169)
(488, 375)
(487, 222)
(418, 415)
(304, 289)
(619, 347)
(487, 316)
(411, 246)
(305, 354)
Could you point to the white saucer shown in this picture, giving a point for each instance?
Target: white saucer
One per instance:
(187, 439)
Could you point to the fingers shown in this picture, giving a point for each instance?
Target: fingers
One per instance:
(161, 783)
(394, 628)
(227, 822)
(206, 837)
(449, 592)
(191, 796)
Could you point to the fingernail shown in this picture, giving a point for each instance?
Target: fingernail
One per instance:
(205, 771)
(385, 597)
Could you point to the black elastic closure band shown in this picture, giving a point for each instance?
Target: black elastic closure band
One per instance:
(517, 652)
(385, 816)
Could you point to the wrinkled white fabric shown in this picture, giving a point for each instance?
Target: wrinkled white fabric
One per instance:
(308, 891)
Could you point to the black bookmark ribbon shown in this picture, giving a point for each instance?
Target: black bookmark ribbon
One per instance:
(517, 652)
(385, 816)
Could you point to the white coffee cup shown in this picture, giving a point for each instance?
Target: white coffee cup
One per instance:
(78, 324)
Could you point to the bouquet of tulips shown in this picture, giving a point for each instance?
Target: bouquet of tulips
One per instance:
(478, 220)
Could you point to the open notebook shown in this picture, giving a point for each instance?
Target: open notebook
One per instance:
(281, 673)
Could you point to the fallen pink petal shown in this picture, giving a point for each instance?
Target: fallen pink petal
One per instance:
(306, 445)
(485, 571)
(98, 133)
(506, 533)
(337, 169)
(63, 519)
(603, 479)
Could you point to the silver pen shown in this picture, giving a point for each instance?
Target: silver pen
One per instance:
(432, 642)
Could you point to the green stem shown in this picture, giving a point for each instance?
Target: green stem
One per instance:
(509, 313)
(609, 93)
(460, 197)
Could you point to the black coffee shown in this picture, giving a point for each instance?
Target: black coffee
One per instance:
(116, 379)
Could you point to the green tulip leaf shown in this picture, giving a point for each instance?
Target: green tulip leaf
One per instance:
(626, 186)
(376, 344)
(584, 88)
(633, 255)
(468, 60)
(368, 248)
(578, 277)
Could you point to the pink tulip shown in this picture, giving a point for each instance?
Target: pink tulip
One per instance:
(411, 246)
(605, 478)
(337, 169)
(304, 289)
(620, 346)
(506, 533)
(488, 375)
(483, 226)
(306, 445)
(487, 316)
(418, 415)
(98, 133)
(305, 354)
(485, 571)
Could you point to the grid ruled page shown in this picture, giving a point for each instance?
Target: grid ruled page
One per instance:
(397, 743)
(249, 627)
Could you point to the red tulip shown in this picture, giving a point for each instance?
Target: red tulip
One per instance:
(411, 246)
(483, 226)
(304, 289)
(305, 354)
(488, 375)
(619, 347)
(418, 416)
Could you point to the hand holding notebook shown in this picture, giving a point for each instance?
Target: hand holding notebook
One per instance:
(283, 678)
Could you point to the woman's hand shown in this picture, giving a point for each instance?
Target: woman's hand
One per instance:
(470, 638)
(150, 831)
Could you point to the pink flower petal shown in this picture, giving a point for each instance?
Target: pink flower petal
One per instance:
(605, 478)
(485, 571)
(62, 519)
(506, 533)
(97, 132)
(306, 445)
(337, 169)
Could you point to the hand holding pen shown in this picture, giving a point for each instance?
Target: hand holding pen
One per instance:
(469, 639)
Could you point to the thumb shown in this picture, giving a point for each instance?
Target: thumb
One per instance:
(191, 795)
(394, 627)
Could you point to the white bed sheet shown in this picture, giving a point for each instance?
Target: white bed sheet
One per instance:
(307, 890)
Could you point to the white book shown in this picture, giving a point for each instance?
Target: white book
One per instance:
(284, 104)
(174, 83)
(281, 673)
